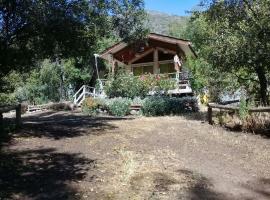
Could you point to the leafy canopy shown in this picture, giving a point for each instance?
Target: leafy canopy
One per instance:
(32, 30)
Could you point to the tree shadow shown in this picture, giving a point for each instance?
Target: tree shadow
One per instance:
(6, 131)
(59, 125)
(195, 116)
(201, 187)
(260, 187)
(41, 174)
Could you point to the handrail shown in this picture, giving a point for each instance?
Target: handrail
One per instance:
(7, 108)
(81, 95)
(78, 91)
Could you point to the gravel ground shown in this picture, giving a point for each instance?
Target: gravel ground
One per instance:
(65, 155)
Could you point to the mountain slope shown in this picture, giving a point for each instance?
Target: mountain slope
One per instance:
(163, 23)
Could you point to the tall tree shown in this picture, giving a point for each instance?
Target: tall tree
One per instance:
(32, 30)
(239, 40)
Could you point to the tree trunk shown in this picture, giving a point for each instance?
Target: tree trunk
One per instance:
(263, 85)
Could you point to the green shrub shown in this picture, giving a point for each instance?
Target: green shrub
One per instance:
(90, 106)
(243, 109)
(119, 106)
(161, 105)
(6, 99)
(127, 86)
(137, 101)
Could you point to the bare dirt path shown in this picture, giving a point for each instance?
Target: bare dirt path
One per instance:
(64, 155)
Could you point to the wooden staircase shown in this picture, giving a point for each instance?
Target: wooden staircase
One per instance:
(86, 91)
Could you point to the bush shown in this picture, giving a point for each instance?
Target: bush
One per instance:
(137, 101)
(119, 106)
(66, 105)
(90, 106)
(6, 99)
(160, 106)
(243, 109)
(127, 86)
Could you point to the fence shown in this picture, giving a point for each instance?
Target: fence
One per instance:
(231, 108)
(7, 108)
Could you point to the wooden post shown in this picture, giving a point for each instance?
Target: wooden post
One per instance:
(210, 115)
(156, 67)
(128, 69)
(18, 115)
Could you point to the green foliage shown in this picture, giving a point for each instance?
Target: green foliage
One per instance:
(126, 85)
(119, 106)
(49, 82)
(90, 106)
(235, 41)
(6, 99)
(9, 83)
(71, 31)
(243, 109)
(137, 101)
(115, 106)
(128, 17)
(161, 105)
(165, 24)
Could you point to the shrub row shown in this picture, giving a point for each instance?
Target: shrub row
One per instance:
(129, 86)
(151, 106)
(116, 106)
(160, 105)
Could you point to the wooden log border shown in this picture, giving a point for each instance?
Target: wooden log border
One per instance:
(231, 108)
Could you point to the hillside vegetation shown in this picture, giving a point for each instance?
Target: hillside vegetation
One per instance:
(163, 23)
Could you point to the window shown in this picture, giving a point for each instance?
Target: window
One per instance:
(137, 71)
(167, 68)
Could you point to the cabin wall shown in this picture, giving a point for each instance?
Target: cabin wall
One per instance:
(158, 61)
(155, 60)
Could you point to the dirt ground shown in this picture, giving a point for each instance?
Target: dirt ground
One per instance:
(65, 155)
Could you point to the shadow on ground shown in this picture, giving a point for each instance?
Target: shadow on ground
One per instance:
(45, 173)
(59, 125)
(41, 174)
(200, 187)
(203, 188)
(196, 116)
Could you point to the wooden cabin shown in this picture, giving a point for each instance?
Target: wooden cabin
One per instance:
(160, 54)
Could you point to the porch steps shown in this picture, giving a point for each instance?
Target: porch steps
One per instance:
(135, 107)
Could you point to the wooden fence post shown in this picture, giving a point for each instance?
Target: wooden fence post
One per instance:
(18, 115)
(210, 115)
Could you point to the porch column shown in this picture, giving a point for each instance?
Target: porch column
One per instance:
(177, 63)
(156, 65)
(128, 68)
(113, 66)
(112, 63)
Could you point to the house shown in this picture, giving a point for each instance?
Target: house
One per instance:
(160, 54)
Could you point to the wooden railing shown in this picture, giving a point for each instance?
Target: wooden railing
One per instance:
(174, 75)
(7, 108)
(83, 92)
(211, 106)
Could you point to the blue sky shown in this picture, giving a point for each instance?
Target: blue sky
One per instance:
(177, 7)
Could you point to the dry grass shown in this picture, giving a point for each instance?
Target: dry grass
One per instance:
(254, 123)
(178, 157)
